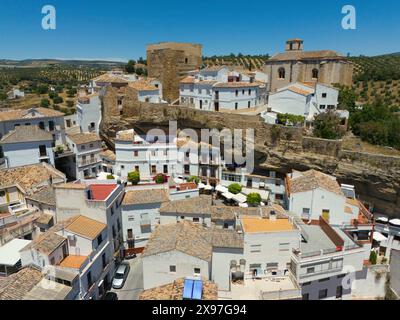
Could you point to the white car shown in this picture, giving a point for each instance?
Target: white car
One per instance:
(120, 276)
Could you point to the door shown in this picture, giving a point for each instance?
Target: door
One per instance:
(325, 215)
(216, 106)
(201, 104)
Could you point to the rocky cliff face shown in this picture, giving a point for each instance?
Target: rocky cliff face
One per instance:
(376, 177)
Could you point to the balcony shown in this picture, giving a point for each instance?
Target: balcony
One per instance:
(88, 162)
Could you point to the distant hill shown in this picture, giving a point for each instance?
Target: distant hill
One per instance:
(42, 63)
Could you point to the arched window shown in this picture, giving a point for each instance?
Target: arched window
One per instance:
(315, 74)
(281, 73)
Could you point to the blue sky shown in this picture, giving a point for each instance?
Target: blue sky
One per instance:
(120, 29)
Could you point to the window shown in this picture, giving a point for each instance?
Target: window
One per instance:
(315, 74)
(323, 294)
(281, 73)
(51, 125)
(99, 239)
(306, 296)
(324, 95)
(249, 92)
(130, 233)
(187, 169)
(136, 153)
(89, 279)
(52, 261)
(196, 219)
(186, 60)
(306, 213)
(236, 105)
(165, 168)
(255, 248)
(322, 106)
(236, 93)
(153, 169)
(153, 153)
(310, 270)
(306, 284)
(197, 270)
(172, 268)
(41, 124)
(248, 104)
(103, 260)
(323, 280)
(122, 167)
(339, 292)
(341, 276)
(284, 246)
(331, 107)
(91, 145)
(83, 147)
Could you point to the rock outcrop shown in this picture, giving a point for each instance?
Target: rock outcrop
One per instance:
(376, 177)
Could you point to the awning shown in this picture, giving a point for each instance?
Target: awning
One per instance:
(208, 187)
(243, 205)
(382, 219)
(379, 236)
(201, 185)
(241, 198)
(221, 189)
(228, 195)
(178, 180)
(396, 222)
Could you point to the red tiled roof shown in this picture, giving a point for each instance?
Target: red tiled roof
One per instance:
(101, 191)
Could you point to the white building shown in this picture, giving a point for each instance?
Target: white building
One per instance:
(19, 216)
(216, 88)
(148, 89)
(15, 94)
(78, 245)
(87, 161)
(88, 110)
(327, 262)
(98, 200)
(46, 119)
(304, 99)
(27, 145)
(272, 183)
(181, 250)
(150, 155)
(140, 215)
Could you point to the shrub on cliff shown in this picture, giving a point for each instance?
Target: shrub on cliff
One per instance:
(326, 125)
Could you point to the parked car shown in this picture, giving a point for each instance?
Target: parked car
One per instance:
(120, 276)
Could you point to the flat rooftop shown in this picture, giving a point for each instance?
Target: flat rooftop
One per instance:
(316, 238)
(73, 262)
(273, 288)
(258, 225)
(101, 191)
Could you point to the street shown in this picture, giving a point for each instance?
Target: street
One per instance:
(134, 283)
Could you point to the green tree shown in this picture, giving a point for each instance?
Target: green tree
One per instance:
(134, 177)
(110, 177)
(326, 125)
(160, 178)
(130, 66)
(194, 179)
(70, 103)
(235, 188)
(373, 257)
(42, 89)
(253, 199)
(58, 99)
(45, 103)
(3, 96)
(71, 92)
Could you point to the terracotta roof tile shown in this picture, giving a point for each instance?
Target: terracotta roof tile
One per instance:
(145, 196)
(36, 112)
(81, 138)
(86, 227)
(313, 179)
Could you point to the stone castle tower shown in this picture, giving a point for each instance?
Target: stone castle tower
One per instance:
(297, 65)
(169, 62)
